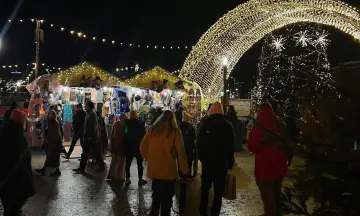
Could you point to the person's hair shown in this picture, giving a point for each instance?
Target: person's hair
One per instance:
(209, 106)
(90, 104)
(265, 105)
(55, 119)
(79, 105)
(166, 123)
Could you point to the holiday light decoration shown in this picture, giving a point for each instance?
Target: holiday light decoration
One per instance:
(236, 32)
(73, 75)
(144, 79)
(106, 40)
(299, 65)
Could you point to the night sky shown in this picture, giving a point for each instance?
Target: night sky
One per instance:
(161, 23)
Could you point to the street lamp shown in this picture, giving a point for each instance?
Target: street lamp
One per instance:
(225, 67)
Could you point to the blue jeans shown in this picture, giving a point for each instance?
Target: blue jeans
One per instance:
(77, 135)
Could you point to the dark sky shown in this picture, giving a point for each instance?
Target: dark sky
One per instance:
(157, 22)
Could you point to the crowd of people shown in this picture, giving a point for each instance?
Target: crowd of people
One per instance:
(171, 147)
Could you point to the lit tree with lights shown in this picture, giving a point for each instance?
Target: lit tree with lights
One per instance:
(294, 60)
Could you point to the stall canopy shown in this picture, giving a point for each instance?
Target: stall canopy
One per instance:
(72, 76)
(156, 76)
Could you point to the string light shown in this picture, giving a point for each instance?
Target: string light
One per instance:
(144, 79)
(72, 75)
(82, 35)
(236, 32)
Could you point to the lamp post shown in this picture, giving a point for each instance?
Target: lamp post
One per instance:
(225, 67)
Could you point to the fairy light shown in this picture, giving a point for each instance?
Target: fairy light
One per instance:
(82, 35)
(75, 73)
(236, 32)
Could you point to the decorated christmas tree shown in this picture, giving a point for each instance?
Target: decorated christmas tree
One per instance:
(287, 62)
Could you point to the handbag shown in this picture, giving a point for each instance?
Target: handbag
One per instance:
(230, 188)
(173, 151)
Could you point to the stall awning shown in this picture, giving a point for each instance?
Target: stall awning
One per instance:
(72, 75)
(146, 79)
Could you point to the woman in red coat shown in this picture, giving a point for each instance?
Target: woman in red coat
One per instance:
(270, 160)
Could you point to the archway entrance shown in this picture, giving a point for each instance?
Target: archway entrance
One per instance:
(237, 31)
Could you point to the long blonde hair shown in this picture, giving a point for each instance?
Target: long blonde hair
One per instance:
(166, 123)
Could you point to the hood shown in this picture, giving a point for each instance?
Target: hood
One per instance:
(186, 117)
(216, 108)
(266, 115)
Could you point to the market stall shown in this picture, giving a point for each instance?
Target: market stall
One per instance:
(159, 88)
(64, 90)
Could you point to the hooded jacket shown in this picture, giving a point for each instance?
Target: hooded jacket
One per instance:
(215, 141)
(270, 161)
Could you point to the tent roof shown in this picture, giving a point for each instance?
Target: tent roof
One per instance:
(144, 79)
(71, 76)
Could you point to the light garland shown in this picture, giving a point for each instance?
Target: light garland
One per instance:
(105, 40)
(67, 76)
(143, 79)
(236, 32)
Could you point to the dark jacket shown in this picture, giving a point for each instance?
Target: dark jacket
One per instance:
(7, 116)
(15, 159)
(78, 121)
(134, 132)
(189, 137)
(215, 142)
(91, 127)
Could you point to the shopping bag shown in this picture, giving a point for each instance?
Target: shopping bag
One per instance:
(230, 188)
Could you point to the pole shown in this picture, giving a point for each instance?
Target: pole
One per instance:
(224, 95)
(37, 42)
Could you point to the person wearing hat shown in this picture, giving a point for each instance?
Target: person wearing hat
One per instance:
(16, 182)
(78, 128)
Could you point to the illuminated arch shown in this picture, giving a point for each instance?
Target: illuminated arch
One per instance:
(236, 32)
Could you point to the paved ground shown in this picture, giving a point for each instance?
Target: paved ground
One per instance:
(91, 195)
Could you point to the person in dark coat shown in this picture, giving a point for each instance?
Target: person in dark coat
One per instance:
(52, 145)
(215, 143)
(91, 136)
(189, 137)
(134, 133)
(238, 126)
(179, 112)
(78, 127)
(7, 114)
(16, 182)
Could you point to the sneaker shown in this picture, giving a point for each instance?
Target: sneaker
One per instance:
(142, 182)
(41, 171)
(79, 170)
(56, 173)
(127, 182)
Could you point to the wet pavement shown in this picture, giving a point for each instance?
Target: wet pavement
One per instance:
(91, 195)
